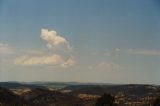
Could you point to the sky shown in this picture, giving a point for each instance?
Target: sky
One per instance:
(80, 41)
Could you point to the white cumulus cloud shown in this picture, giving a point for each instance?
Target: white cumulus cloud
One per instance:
(34, 58)
(53, 39)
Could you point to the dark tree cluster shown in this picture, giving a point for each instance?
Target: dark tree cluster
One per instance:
(106, 100)
(157, 102)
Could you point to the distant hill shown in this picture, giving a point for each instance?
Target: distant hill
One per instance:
(54, 85)
(80, 94)
(130, 89)
(15, 85)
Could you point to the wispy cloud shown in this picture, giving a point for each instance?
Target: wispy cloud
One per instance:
(5, 49)
(39, 60)
(117, 52)
(53, 39)
(106, 66)
(144, 52)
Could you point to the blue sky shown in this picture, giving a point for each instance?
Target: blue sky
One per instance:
(84, 41)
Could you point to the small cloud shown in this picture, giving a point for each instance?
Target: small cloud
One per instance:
(117, 50)
(113, 52)
(53, 39)
(70, 62)
(5, 49)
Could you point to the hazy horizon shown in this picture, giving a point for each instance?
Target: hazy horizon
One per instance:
(100, 41)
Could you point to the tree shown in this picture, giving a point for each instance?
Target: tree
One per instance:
(157, 102)
(105, 100)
